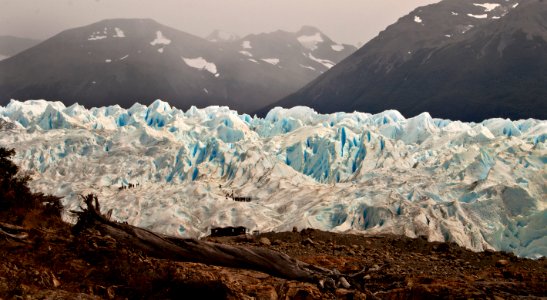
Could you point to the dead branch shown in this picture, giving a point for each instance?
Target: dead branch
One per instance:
(191, 250)
(11, 227)
(21, 236)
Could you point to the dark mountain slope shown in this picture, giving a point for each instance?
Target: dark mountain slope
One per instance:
(477, 65)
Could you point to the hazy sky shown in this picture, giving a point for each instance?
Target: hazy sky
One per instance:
(348, 21)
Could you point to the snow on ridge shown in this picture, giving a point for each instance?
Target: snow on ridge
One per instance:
(201, 63)
(325, 62)
(160, 39)
(310, 41)
(417, 19)
(307, 67)
(487, 6)
(477, 184)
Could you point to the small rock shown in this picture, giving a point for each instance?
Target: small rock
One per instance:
(56, 282)
(308, 241)
(295, 229)
(502, 263)
(367, 277)
(266, 293)
(265, 241)
(111, 292)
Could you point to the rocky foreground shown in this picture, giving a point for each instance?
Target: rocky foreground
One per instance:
(52, 263)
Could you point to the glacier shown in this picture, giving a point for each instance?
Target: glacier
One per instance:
(481, 185)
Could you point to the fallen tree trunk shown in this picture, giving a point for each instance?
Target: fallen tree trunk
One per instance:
(191, 250)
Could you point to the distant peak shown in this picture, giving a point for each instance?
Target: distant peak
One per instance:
(127, 20)
(222, 36)
(308, 30)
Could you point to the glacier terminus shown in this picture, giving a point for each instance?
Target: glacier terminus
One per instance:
(481, 185)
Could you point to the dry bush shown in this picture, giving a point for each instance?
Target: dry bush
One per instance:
(18, 204)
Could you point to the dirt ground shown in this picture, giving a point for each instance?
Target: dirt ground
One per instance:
(55, 264)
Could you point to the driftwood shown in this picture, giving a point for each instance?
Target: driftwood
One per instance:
(191, 250)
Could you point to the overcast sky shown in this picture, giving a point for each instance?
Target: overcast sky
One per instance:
(348, 21)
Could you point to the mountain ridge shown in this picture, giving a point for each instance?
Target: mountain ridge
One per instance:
(126, 60)
(11, 45)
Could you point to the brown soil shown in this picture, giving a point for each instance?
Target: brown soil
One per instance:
(58, 265)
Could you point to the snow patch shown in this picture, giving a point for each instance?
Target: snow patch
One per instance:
(271, 61)
(119, 33)
(487, 6)
(310, 41)
(96, 36)
(417, 19)
(467, 28)
(246, 45)
(201, 64)
(160, 39)
(246, 53)
(160, 50)
(337, 48)
(124, 57)
(107, 60)
(484, 16)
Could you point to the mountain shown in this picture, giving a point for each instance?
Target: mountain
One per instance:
(479, 185)
(11, 45)
(456, 59)
(222, 36)
(121, 61)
